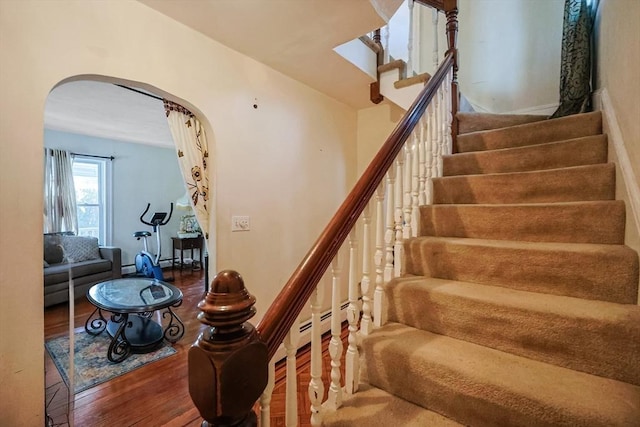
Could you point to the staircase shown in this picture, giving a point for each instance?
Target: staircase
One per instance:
(518, 303)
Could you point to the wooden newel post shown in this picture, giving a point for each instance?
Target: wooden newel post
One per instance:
(228, 364)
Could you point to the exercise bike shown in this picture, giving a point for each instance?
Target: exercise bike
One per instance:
(148, 265)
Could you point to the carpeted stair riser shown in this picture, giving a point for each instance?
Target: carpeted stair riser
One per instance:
(575, 222)
(588, 150)
(569, 127)
(605, 337)
(579, 183)
(590, 271)
(479, 386)
(473, 122)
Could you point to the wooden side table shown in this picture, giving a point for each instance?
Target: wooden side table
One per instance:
(187, 243)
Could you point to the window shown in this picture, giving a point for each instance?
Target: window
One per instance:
(92, 181)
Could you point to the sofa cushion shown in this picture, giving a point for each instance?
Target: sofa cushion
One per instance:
(60, 273)
(80, 248)
(53, 252)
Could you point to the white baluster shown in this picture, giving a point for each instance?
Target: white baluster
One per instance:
(406, 184)
(449, 116)
(316, 387)
(291, 347)
(415, 181)
(422, 178)
(398, 215)
(385, 39)
(434, 138)
(265, 398)
(379, 258)
(366, 324)
(410, 41)
(351, 358)
(441, 135)
(436, 33)
(390, 226)
(429, 154)
(334, 397)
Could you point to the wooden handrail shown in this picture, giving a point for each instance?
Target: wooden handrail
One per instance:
(282, 314)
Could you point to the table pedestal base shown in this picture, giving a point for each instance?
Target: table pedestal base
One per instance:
(142, 334)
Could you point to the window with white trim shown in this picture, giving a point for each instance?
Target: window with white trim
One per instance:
(92, 181)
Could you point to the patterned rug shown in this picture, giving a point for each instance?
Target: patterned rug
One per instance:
(91, 364)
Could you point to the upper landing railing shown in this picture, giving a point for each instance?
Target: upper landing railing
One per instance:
(231, 365)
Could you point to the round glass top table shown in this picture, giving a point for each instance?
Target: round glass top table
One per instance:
(132, 303)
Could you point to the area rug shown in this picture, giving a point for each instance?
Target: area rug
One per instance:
(91, 364)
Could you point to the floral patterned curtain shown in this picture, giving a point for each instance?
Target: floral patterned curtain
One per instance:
(60, 213)
(193, 157)
(575, 67)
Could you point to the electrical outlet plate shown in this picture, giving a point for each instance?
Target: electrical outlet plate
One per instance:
(240, 223)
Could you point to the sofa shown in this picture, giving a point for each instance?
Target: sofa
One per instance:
(89, 263)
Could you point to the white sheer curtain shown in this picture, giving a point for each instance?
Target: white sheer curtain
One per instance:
(60, 212)
(193, 157)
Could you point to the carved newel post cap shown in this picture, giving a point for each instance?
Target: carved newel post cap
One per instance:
(228, 303)
(228, 363)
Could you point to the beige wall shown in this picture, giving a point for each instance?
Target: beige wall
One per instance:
(618, 67)
(286, 164)
(617, 51)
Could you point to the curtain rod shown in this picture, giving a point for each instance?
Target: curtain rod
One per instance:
(92, 156)
(140, 92)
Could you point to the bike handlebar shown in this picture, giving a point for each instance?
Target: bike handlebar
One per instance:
(158, 221)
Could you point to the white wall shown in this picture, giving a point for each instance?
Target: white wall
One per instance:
(288, 164)
(141, 174)
(509, 54)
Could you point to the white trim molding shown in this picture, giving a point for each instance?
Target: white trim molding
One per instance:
(624, 163)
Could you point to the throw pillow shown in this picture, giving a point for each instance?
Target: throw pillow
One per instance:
(53, 252)
(80, 248)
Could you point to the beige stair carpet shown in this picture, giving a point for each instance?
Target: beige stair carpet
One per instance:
(518, 305)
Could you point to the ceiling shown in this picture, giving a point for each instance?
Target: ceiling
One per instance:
(295, 37)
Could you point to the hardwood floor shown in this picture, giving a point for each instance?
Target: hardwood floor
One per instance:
(155, 394)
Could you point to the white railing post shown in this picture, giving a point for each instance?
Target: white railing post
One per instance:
(410, 41)
(389, 233)
(351, 358)
(415, 180)
(385, 42)
(316, 387)
(429, 154)
(379, 257)
(398, 215)
(291, 347)
(422, 178)
(265, 398)
(334, 398)
(366, 325)
(407, 205)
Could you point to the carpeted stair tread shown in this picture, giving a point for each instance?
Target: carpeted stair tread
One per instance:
(371, 406)
(479, 386)
(577, 183)
(605, 337)
(473, 122)
(574, 222)
(587, 150)
(581, 270)
(575, 126)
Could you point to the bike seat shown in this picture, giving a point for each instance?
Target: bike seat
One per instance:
(140, 234)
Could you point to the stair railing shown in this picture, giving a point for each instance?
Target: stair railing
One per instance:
(404, 36)
(231, 365)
